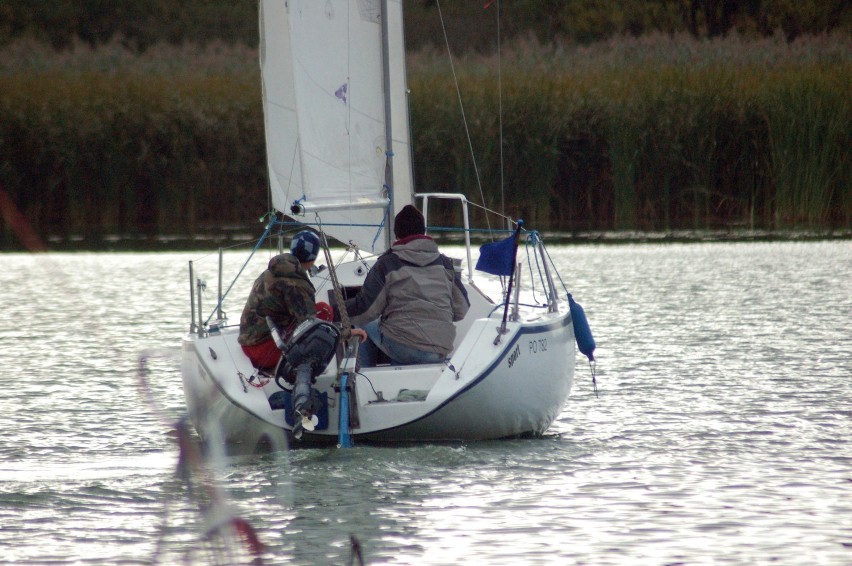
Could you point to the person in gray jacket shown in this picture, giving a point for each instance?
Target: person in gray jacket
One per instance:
(411, 297)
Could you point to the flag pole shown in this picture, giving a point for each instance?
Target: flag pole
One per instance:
(511, 279)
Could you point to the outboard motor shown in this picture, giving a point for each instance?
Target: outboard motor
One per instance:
(314, 341)
(307, 353)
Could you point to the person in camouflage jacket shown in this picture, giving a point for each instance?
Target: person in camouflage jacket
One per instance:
(283, 292)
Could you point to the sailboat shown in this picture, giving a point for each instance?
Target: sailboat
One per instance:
(339, 160)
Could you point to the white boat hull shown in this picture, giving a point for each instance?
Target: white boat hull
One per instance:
(485, 391)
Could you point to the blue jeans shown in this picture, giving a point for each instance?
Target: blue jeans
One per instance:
(399, 354)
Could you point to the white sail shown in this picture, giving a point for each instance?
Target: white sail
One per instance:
(327, 132)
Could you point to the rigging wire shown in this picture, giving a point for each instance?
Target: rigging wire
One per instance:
(335, 284)
(248, 259)
(461, 107)
(500, 109)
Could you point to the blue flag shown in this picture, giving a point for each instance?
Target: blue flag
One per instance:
(497, 258)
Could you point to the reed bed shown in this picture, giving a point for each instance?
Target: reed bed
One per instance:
(658, 133)
(97, 142)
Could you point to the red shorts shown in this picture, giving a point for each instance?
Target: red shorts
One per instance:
(264, 355)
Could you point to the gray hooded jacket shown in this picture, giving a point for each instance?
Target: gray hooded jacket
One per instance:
(416, 292)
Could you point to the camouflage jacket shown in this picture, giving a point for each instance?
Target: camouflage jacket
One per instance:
(283, 292)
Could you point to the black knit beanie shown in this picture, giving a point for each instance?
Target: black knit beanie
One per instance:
(408, 222)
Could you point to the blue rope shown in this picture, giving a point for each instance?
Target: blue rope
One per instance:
(382, 225)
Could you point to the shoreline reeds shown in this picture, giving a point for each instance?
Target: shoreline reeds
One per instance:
(658, 133)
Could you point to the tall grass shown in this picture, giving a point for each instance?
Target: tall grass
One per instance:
(674, 133)
(97, 142)
(810, 133)
(659, 133)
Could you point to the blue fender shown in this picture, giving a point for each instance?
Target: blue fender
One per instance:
(582, 332)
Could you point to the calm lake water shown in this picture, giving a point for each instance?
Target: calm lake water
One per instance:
(722, 433)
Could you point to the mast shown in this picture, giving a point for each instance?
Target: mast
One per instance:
(399, 174)
(389, 211)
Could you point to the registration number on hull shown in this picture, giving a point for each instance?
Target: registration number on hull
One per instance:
(536, 346)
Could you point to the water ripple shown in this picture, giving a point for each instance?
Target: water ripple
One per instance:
(721, 433)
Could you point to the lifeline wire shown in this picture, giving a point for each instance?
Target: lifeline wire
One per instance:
(251, 255)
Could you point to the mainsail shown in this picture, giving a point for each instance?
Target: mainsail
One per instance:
(331, 147)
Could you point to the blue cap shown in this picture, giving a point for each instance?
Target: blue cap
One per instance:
(305, 246)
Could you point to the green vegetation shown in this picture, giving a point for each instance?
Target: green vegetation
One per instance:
(137, 24)
(651, 134)
(140, 24)
(144, 147)
(659, 132)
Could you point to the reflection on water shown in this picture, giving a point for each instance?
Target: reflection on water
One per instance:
(721, 433)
